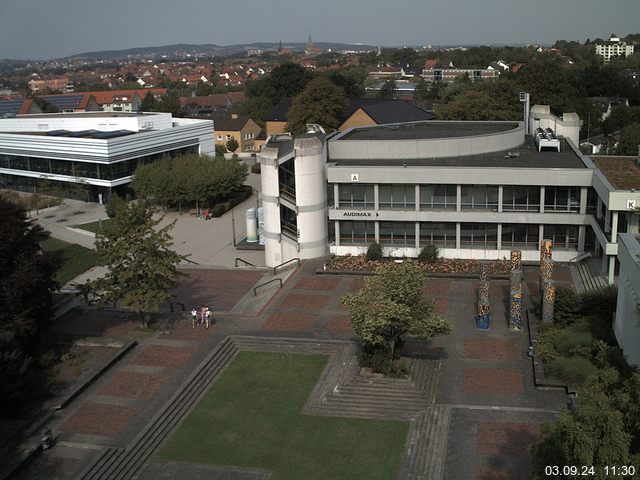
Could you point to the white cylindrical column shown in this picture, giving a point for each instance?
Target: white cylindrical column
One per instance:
(268, 159)
(311, 196)
(252, 225)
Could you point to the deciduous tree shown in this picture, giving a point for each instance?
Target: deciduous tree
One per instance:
(392, 304)
(142, 268)
(320, 102)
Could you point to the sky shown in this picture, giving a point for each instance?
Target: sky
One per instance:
(45, 29)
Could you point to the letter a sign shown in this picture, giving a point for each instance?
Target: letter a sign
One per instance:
(354, 177)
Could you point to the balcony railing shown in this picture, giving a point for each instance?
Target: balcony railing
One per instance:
(287, 192)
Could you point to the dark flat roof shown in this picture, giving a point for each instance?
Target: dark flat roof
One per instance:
(529, 157)
(427, 130)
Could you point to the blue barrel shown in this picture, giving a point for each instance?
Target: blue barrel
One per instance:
(482, 321)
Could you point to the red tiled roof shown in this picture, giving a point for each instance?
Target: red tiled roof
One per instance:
(107, 97)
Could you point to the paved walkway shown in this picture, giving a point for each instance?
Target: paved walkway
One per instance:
(208, 242)
(481, 409)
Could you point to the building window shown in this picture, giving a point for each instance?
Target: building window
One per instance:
(397, 196)
(219, 138)
(228, 137)
(438, 197)
(521, 199)
(562, 199)
(479, 235)
(479, 197)
(360, 196)
(523, 236)
(564, 237)
(439, 234)
(288, 223)
(401, 234)
(592, 201)
(357, 233)
(330, 197)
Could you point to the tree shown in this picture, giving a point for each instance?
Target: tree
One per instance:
(391, 304)
(472, 105)
(26, 276)
(286, 80)
(630, 140)
(220, 150)
(422, 91)
(598, 432)
(26, 294)
(256, 107)
(232, 144)
(320, 102)
(388, 89)
(149, 103)
(141, 266)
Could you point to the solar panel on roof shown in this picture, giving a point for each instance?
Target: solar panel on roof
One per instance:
(10, 106)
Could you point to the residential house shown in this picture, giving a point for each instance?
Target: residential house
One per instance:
(364, 112)
(62, 84)
(607, 104)
(72, 102)
(18, 106)
(124, 100)
(214, 104)
(359, 112)
(241, 127)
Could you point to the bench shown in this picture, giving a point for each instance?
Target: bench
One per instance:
(193, 211)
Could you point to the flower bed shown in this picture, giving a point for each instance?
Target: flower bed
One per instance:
(358, 263)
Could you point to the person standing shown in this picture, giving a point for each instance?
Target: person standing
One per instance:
(208, 317)
(194, 317)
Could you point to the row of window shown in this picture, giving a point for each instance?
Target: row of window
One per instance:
(443, 234)
(100, 171)
(473, 197)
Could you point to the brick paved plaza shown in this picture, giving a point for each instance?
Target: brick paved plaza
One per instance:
(481, 381)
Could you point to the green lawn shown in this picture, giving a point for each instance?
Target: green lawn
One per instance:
(94, 226)
(77, 259)
(253, 418)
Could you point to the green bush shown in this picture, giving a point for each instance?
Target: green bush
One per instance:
(567, 307)
(601, 303)
(378, 359)
(574, 370)
(217, 210)
(255, 168)
(571, 342)
(428, 254)
(374, 252)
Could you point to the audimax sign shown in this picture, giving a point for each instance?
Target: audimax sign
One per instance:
(360, 214)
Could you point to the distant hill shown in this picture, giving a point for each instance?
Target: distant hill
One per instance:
(211, 49)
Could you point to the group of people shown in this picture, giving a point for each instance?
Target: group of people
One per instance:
(201, 316)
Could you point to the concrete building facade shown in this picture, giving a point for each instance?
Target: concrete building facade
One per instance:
(98, 150)
(473, 189)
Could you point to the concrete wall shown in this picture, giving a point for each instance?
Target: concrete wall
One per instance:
(428, 148)
(626, 325)
(94, 121)
(568, 126)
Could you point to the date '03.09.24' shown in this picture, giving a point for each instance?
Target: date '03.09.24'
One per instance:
(620, 471)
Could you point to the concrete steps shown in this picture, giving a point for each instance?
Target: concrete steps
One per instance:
(590, 280)
(116, 464)
(425, 449)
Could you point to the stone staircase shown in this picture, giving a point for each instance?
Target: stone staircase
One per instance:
(426, 445)
(118, 463)
(341, 391)
(588, 276)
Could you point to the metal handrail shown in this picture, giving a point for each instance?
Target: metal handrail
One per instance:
(191, 261)
(238, 259)
(255, 289)
(580, 257)
(285, 263)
